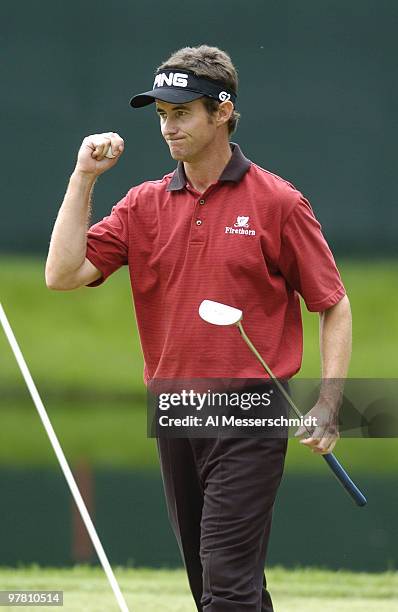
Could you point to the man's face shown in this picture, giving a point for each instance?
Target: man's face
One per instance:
(187, 128)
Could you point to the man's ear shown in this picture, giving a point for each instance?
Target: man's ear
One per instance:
(224, 113)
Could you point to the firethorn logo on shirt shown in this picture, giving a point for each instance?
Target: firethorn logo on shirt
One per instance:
(241, 222)
(242, 226)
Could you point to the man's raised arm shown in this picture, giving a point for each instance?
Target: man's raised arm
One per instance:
(67, 266)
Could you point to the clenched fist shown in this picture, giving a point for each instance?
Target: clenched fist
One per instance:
(99, 152)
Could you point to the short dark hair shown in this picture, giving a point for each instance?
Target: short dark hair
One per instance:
(210, 62)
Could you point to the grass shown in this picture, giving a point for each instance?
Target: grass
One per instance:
(109, 434)
(373, 291)
(85, 339)
(299, 590)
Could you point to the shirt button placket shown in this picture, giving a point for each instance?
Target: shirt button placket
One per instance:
(199, 221)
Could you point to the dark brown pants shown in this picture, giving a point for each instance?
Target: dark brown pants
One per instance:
(220, 494)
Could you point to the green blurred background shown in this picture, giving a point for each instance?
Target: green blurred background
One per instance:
(318, 104)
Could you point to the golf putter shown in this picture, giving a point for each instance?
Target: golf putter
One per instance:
(221, 314)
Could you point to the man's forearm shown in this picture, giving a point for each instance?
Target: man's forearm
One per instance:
(68, 244)
(335, 347)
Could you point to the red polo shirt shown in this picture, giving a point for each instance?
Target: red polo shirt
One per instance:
(250, 241)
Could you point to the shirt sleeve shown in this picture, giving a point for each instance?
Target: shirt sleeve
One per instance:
(107, 242)
(306, 260)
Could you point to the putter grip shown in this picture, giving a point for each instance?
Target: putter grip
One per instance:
(344, 479)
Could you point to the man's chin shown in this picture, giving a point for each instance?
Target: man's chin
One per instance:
(178, 151)
(177, 156)
(180, 156)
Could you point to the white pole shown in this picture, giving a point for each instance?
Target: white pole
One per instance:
(62, 461)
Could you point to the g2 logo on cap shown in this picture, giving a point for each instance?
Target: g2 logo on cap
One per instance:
(223, 96)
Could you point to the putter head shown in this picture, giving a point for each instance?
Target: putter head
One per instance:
(219, 314)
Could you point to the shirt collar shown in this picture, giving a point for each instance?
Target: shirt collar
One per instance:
(234, 171)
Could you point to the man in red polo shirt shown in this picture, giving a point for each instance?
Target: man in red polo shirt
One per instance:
(219, 227)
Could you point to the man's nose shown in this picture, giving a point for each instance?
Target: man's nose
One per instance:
(169, 127)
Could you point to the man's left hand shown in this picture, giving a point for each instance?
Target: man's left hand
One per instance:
(324, 435)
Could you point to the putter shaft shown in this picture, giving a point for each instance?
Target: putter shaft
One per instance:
(330, 459)
(269, 371)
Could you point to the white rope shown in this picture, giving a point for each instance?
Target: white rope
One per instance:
(62, 461)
